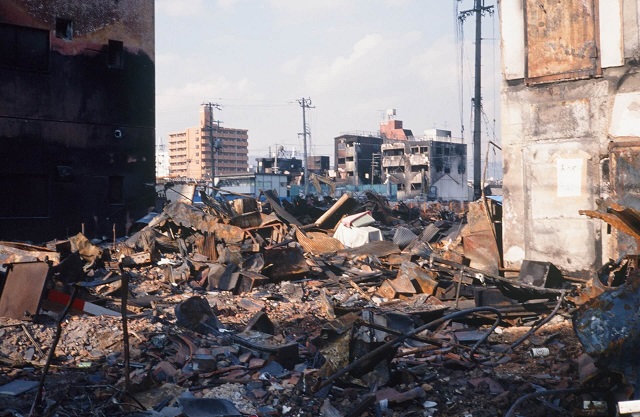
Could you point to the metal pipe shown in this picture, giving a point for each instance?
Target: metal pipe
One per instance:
(54, 344)
(539, 325)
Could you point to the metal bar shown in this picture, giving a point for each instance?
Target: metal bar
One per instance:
(54, 344)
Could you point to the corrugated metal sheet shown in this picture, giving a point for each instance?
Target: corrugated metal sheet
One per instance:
(318, 243)
(561, 40)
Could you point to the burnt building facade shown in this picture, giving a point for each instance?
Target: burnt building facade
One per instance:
(77, 82)
(570, 131)
(354, 155)
(427, 168)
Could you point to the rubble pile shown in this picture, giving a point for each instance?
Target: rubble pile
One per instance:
(351, 308)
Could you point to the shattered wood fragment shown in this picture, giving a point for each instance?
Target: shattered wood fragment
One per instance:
(331, 217)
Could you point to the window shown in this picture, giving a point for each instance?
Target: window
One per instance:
(24, 48)
(64, 29)
(116, 54)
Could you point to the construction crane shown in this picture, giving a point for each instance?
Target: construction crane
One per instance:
(316, 180)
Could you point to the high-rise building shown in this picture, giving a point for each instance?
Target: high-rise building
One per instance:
(190, 153)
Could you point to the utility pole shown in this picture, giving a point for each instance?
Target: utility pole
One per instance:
(356, 158)
(305, 104)
(214, 143)
(479, 9)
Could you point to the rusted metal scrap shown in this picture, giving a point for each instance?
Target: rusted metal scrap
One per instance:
(608, 327)
(22, 252)
(479, 239)
(623, 218)
(23, 289)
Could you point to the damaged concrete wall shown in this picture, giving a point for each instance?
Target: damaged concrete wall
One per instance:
(77, 81)
(564, 124)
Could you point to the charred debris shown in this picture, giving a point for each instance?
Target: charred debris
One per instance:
(335, 308)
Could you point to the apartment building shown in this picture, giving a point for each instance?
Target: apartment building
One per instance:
(354, 154)
(435, 168)
(190, 150)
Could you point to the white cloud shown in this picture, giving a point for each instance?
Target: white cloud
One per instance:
(323, 75)
(180, 8)
(293, 65)
(306, 6)
(228, 5)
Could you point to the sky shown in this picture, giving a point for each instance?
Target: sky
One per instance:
(353, 59)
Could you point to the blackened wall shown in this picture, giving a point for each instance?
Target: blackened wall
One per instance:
(77, 128)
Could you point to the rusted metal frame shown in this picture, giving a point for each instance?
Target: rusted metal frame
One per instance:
(38, 399)
(537, 326)
(629, 142)
(486, 206)
(388, 345)
(614, 220)
(480, 275)
(595, 71)
(566, 76)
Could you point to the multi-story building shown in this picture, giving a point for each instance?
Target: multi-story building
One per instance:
(78, 116)
(318, 164)
(190, 151)
(435, 168)
(354, 154)
(162, 161)
(392, 129)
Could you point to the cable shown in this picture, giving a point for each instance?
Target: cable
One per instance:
(519, 401)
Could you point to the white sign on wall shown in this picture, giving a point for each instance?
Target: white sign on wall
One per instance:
(569, 177)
